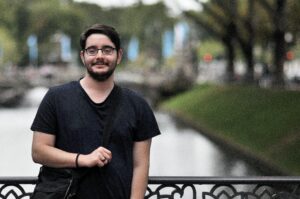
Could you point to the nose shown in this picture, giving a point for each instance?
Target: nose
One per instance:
(99, 53)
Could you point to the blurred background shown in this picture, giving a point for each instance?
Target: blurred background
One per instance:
(222, 76)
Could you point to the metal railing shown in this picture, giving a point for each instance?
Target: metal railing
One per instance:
(265, 187)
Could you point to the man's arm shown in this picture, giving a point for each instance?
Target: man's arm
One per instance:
(44, 152)
(141, 159)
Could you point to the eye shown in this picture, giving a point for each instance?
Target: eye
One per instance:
(92, 50)
(107, 50)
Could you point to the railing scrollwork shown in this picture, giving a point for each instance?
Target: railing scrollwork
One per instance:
(268, 187)
(224, 187)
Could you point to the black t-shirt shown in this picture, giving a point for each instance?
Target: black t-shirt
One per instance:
(66, 112)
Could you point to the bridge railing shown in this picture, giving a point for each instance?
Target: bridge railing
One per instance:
(262, 187)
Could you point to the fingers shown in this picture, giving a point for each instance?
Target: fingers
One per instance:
(99, 157)
(104, 156)
(102, 162)
(104, 153)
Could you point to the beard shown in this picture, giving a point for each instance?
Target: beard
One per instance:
(100, 77)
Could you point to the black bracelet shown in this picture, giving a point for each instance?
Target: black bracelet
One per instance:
(76, 160)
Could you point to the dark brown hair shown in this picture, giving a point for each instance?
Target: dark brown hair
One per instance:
(109, 31)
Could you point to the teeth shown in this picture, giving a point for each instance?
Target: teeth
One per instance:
(99, 63)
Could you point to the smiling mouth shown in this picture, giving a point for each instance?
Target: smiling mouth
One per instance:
(99, 64)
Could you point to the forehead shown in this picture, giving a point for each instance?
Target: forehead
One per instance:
(98, 40)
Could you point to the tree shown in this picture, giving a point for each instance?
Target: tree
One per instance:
(244, 22)
(147, 23)
(221, 26)
(245, 35)
(277, 13)
(235, 22)
(8, 50)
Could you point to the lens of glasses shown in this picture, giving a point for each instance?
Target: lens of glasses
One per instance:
(105, 50)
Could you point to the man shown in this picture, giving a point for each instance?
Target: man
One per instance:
(68, 132)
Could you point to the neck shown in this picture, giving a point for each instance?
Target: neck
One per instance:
(101, 86)
(97, 91)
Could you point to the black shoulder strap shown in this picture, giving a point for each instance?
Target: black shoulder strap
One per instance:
(115, 95)
(112, 113)
(79, 174)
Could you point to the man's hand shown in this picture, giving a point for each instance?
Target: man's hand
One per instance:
(99, 157)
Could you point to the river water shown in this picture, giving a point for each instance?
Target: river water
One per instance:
(178, 151)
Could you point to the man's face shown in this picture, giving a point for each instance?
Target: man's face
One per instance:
(100, 66)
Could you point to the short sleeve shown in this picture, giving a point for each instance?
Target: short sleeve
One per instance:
(147, 124)
(45, 119)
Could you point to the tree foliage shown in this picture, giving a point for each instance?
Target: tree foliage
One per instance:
(22, 18)
(251, 24)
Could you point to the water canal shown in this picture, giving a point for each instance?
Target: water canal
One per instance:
(179, 151)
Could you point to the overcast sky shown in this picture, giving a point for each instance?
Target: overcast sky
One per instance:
(174, 5)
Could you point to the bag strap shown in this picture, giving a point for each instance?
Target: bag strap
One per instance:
(112, 113)
(115, 95)
(79, 174)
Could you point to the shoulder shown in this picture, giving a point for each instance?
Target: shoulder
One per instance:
(135, 101)
(64, 87)
(132, 96)
(62, 92)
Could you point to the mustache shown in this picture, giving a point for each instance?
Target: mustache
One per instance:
(99, 63)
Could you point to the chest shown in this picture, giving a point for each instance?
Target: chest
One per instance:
(81, 124)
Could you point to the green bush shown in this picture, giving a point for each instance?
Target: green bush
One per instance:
(8, 48)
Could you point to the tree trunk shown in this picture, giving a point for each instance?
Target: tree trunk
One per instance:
(249, 76)
(249, 44)
(230, 54)
(280, 44)
(279, 58)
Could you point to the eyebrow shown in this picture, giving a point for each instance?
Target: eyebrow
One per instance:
(105, 46)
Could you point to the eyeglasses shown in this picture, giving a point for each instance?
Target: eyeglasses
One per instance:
(106, 50)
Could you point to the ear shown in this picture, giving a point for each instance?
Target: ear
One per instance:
(82, 57)
(120, 54)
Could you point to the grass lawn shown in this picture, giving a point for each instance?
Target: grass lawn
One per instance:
(264, 121)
